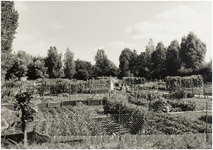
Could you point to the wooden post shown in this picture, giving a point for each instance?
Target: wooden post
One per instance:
(119, 124)
(25, 136)
(206, 122)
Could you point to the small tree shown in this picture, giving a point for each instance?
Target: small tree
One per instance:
(26, 111)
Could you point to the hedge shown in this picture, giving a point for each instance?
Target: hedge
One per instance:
(57, 86)
(175, 82)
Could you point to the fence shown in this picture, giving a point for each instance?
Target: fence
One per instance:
(67, 127)
(75, 126)
(59, 123)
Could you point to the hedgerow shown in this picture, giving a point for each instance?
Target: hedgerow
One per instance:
(57, 86)
(175, 82)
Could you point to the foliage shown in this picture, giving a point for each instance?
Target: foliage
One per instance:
(175, 82)
(69, 64)
(183, 105)
(180, 93)
(37, 69)
(53, 63)
(112, 105)
(24, 105)
(19, 66)
(159, 60)
(83, 70)
(91, 86)
(152, 123)
(103, 66)
(160, 105)
(127, 61)
(192, 51)
(143, 66)
(172, 58)
(9, 24)
(67, 121)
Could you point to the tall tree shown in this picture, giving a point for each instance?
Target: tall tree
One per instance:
(150, 48)
(69, 64)
(53, 63)
(172, 58)
(159, 60)
(127, 61)
(192, 51)
(144, 60)
(19, 66)
(9, 24)
(133, 64)
(103, 66)
(143, 70)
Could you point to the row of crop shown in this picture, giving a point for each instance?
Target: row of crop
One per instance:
(175, 82)
(140, 121)
(68, 121)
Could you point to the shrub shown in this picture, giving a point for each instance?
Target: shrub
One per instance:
(183, 105)
(160, 105)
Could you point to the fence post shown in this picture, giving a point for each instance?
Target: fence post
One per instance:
(119, 124)
(95, 89)
(204, 91)
(206, 122)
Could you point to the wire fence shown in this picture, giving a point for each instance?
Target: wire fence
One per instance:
(63, 126)
(60, 124)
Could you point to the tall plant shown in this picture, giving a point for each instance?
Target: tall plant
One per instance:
(25, 107)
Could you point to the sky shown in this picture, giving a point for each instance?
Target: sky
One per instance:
(84, 26)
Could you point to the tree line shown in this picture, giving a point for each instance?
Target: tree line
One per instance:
(158, 61)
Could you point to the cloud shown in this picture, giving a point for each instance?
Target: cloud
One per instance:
(56, 26)
(20, 6)
(167, 26)
(32, 43)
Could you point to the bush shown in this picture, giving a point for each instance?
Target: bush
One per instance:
(160, 105)
(183, 105)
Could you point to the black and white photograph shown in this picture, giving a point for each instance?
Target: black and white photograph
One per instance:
(106, 74)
